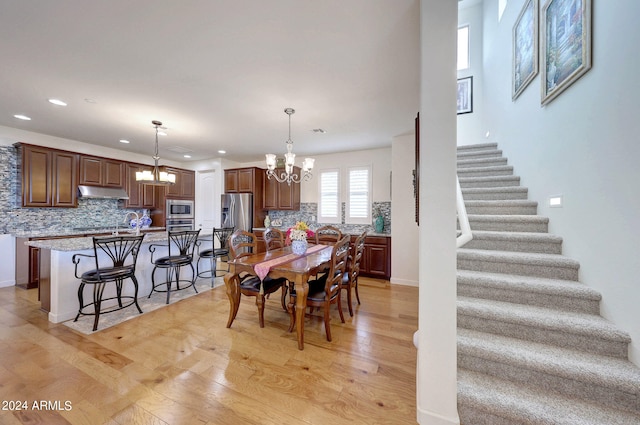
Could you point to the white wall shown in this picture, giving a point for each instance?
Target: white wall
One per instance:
(404, 230)
(470, 126)
(8, 263)
(583, 145)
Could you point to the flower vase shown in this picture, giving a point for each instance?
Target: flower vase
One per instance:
(379, 224)
(298, 247)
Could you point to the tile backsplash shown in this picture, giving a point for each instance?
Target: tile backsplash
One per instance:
(309, 213)
(15, 219)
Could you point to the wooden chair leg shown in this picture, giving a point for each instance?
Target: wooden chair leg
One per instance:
(327, 321)
(260, 305)
(356, 288)
(340, 307)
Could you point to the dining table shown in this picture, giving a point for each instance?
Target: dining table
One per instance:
(279, 263)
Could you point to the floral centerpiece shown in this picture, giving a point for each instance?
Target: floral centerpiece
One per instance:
(297, 237)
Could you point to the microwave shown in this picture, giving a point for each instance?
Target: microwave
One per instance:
(179, 208)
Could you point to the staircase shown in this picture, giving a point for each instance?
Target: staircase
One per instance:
(532, 347)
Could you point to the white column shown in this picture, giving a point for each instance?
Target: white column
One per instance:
(436, 337)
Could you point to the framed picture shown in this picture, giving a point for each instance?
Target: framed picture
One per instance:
(566, 45)
(465, 95)
(525, 48)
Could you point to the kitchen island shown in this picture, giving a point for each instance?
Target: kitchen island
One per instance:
(59, 286)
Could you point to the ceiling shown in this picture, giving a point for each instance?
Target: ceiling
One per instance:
(218, 74)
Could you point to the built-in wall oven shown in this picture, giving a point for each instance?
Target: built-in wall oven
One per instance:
(180, 215)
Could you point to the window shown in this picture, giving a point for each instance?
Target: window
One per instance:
(463, 47)
(329, 199)
(359, 195)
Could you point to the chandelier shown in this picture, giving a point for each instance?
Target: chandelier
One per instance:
(157, 177)
(288, 175)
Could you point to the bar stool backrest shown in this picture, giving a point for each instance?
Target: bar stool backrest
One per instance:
(119, 249)
(184, 241)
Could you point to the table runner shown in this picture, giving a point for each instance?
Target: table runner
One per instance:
(262, 269)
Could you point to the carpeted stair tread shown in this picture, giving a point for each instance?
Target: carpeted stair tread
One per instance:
(495, 170)
(481, 162)
(516, 236)
(477, 146)
(556, 287)
(531, 258)
(489, 181)
(516, 404)
(483, 153)
(592, 369)
(515, 241)
(502, 207)
(542, 318)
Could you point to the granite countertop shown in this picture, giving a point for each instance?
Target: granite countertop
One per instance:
(347, 232)
(77, 232)
(85, 243)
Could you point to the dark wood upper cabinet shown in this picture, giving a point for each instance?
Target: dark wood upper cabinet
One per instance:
(49, 177)
(140, 195)
(247, 180)
(185, 186)
(103, 172)
(281, 196)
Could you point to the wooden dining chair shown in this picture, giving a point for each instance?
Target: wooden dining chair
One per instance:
(274, 239)
(328, 235)
(243, 243)
(326, 291)
(350, 278)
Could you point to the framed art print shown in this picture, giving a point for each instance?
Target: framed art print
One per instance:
(465, 95)
(566, 45)
(525, 48)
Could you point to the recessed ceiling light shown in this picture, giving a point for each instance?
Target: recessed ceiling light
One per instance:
(124, 141)
(22, 117)
(57, 102)
(187, 156)
(222, 152)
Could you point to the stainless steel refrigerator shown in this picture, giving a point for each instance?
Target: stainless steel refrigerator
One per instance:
(237, 211)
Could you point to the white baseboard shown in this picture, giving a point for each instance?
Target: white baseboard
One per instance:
(405, 282)
(425, 417)
(7, 283)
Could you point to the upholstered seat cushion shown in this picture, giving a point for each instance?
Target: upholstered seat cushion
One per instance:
(172, 261)
(316, 290)
(107, 274)
(252, 284)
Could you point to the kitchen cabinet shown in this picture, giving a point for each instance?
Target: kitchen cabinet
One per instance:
(140, 195)
(243, 180)
(104, 172)
(49, 177)
(185, 186)
(27, 264)
(248, 180)
(281, 196)
(376, 258)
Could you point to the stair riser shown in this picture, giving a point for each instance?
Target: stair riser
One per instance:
(536, 227)
(578, 305)
(513, 246)
(479, 155)
(522, 269)
(511, 182)
(494, 196)
(605, 396)
(498, 162)
(502, 210)
(587, 343)
(482, 172)
(477, 147)
(471, 416)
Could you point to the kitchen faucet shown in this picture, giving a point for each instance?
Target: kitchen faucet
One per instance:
(137, 220)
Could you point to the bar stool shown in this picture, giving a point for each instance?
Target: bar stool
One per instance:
(119, 250)
(213, 253)
(184, 242)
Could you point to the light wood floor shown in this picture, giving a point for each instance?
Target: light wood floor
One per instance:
(181, 365)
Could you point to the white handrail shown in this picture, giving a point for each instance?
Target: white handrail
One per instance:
(466, 234)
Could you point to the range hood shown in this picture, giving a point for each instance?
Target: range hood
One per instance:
(101, 192)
